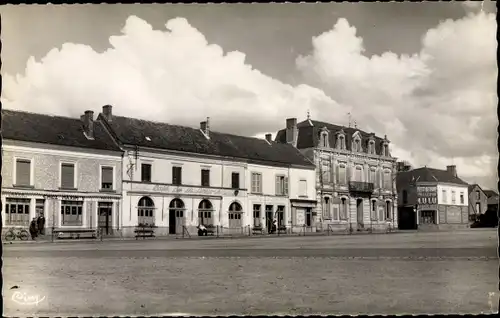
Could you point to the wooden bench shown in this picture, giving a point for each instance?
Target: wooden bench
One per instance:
(144, 231)
(76, 233)
(257, 230)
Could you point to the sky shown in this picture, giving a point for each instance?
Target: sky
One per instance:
(423, 73)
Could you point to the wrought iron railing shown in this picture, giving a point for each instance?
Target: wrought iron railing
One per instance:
(361, 186)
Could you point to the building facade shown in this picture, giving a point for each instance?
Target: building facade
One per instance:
(355, 184)
(176, 178)
(437, 198)
(478, 202)
(68, 170)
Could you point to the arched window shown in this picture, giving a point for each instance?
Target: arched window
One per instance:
(205, 213)
(326, 208)
(357, 145)
(176, 204)
(235, 213)
(405, 197)
(373, 209)
(343, 209)
(371, 147)
(341, 142)
(385, 151)
(388, 210)
(145, 211)
(324, 139)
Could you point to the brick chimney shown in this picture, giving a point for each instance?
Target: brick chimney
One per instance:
(107, 112)
(452, 170)
(269, 138)
(291, 131)
(205, 127)
(88, 123)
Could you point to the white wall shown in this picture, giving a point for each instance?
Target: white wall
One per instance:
(293, 184)
(459, 189)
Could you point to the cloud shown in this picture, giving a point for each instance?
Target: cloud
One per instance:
(170, 75)
(436, 106)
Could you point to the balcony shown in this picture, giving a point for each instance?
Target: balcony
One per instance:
(365, 187)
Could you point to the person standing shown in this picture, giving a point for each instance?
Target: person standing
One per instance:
(41, 224)
(33, 229)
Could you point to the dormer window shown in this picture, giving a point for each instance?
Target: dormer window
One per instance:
(371, 147)
(324, 139)
(357, 145)
(341, 142)
(385, 150)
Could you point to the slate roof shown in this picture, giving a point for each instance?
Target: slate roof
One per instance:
(426, 174)
(131, 131)
(54, 130)
(309, 135)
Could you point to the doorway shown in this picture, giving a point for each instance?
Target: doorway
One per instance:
(105, 218)
(308, 217)
(269, 217)
(359, 216)
(176, 216)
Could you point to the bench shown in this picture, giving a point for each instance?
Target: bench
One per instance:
(257, 230)
(144, 231)
(76, 233)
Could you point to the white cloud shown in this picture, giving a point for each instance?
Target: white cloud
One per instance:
(171, 75)
(437, 106)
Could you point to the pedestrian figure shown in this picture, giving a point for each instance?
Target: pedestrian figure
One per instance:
(41, 224)
(33, 229)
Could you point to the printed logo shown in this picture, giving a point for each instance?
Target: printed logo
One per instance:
(25, 299)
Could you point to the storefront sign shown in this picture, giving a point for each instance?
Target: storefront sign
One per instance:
(426, 195)
(192, 190)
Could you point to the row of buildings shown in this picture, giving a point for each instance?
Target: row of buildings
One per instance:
(114, 173)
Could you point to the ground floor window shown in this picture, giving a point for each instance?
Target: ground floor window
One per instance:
(256, 215)
(17, 212)
(235, 212)
(428, 217)
(205, 211)
(145, 211)
(343, 209)
(388, 210)
(71, 213)
(280, 215)
(373, 209)
(326, 208)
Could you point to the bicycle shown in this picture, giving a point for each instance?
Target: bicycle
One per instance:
(14, 233)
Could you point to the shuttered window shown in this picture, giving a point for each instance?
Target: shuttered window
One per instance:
(281, 185)
(107, 178)
(256, 182)
(68, 176)
(23, 172)
(303, 188)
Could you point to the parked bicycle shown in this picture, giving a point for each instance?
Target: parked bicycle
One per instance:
(14, 233)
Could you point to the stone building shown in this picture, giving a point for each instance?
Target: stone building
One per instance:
(478, 202)
(355, 175)
(67, 169)
(178, 177)
(433, 198)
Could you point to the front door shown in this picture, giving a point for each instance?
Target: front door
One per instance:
(359, 206)
(179, 221)
(105, 210)
(308, 217)
(171, 221)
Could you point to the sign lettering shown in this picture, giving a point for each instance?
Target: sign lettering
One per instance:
(427, 196)
(191, 190)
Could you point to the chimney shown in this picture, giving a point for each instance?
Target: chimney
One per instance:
(291, 131)
(269, 138)
(107, 112)
(452, 170)
(205, 128)
(88, 123)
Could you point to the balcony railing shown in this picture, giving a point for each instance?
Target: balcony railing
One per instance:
(356, 186)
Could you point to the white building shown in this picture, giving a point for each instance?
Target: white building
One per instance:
(67, 169)
(178, 177)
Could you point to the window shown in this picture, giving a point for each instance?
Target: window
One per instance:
(341, 174)
(359, 174)
(205, 210)
(343, 209)
(256, 182)
(177, 175)
(387, 179)
(388, 210)
(405, 197)
(386, 150)
(256, 215)
(269, 216)
(335, 214)
(341, 142)
(461, 198)
(357, 145)
(478, 195)
(17, 211)
(373, 175)
(235, 212)
(68, 176)
(145, 211)
(71, 213)
(445, 199)
(235, 180)
(453, 198)
(23, 172)
(146, 172)
(107, 178)
(373, 209)
(326, 208)
(324, 139)
(326, 171)
(281, 185)
(303, 188)
(40, 207)
(280, 215)
(371, 147)
(205, 177)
